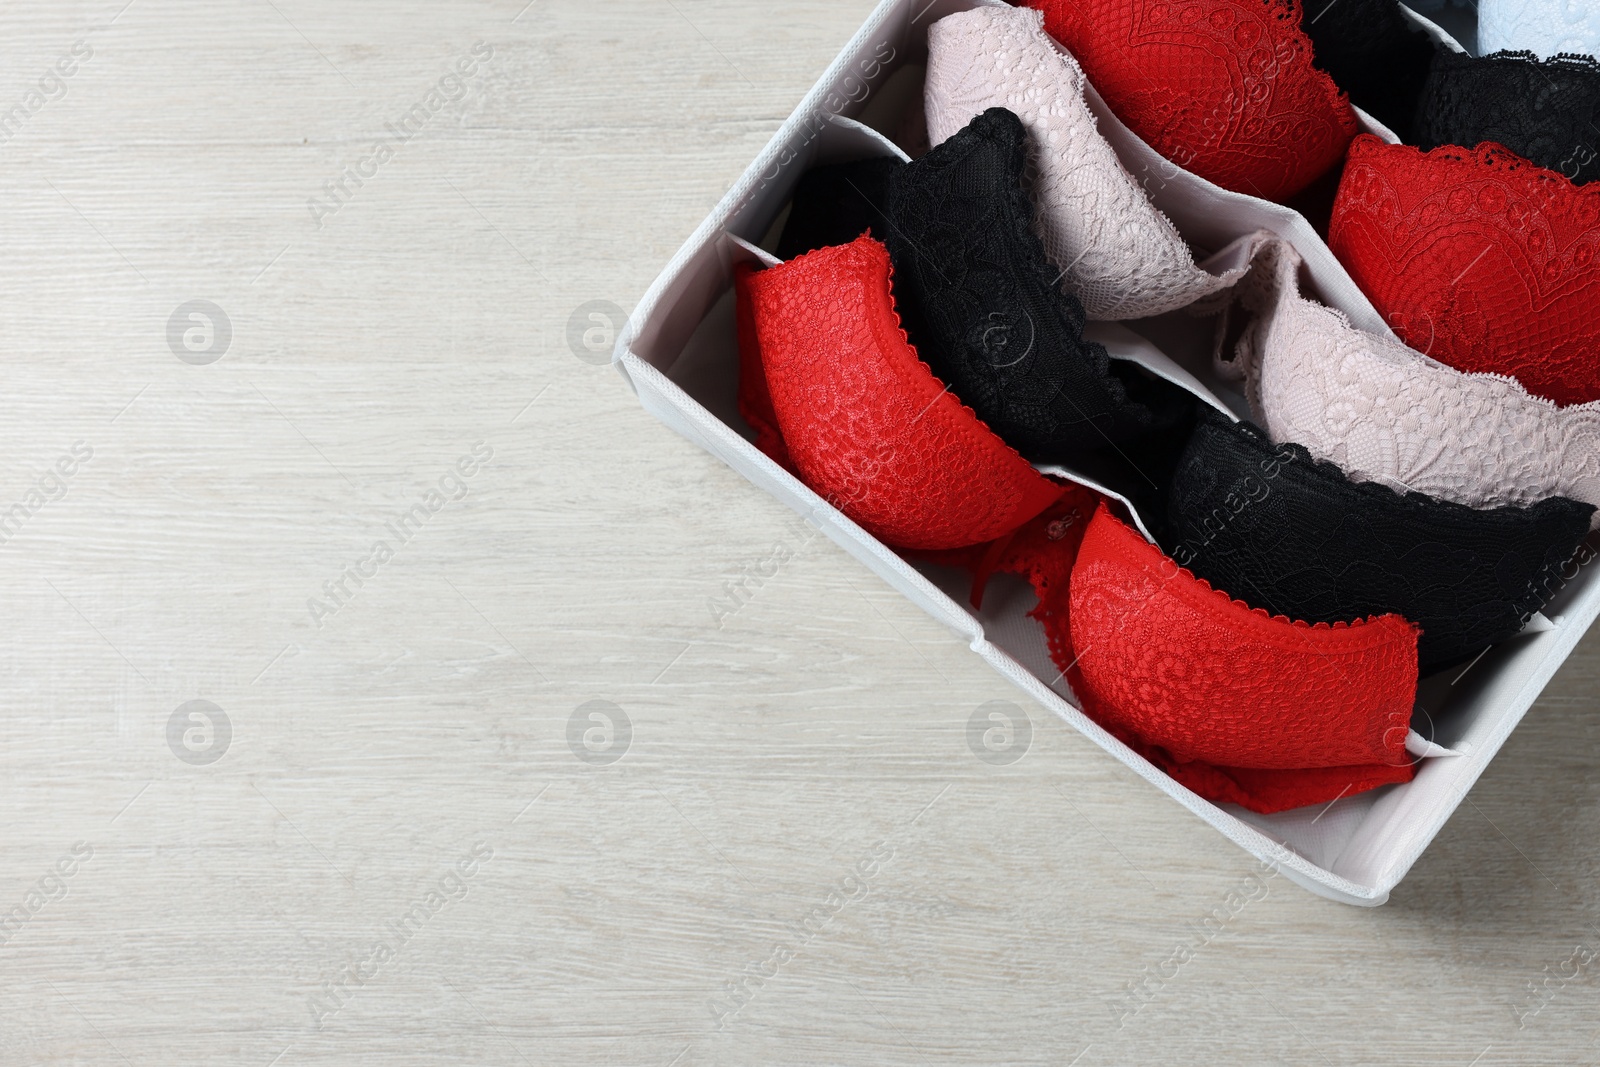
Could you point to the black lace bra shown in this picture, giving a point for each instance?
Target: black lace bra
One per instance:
(1547, 111)
(1293, 535)
(978, 299)
(1373, 53)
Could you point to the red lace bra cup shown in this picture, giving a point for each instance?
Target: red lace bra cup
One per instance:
(755, 402)
(865, 422)
(1044, 551)
(1479, 259)
(1166, 659)
(1223, 88)
(1267, 791)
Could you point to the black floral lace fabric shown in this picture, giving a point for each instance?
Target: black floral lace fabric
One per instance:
(1283, 532)
(1547, 111)
(978, 299)
(1373, 53)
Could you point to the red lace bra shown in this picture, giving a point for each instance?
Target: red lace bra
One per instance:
(1222, 88)
(1237, 704)
(837, 393)
(1479, 259)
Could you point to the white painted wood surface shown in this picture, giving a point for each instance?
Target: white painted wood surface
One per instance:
(811, 743)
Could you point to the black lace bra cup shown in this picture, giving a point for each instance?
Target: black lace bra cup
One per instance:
(1281, 531)
(978, 299)
(984, 300)
(1547, 111)
(1373, 53)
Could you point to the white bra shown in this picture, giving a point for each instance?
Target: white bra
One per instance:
(1544, 27)
(1119, 255)
(1387, 413)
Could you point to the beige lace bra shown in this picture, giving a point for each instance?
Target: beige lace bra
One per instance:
(1117, 253)
(1387, 413)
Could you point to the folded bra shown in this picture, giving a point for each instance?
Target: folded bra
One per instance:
(1477, 258)
(1114, 250)
(1544, 27)
(1236, 704)
(1372, 52)
(1294, 536)
(1223, 88)
(978, 297)
(1543, 110)
(861, 418)
(1385, 413)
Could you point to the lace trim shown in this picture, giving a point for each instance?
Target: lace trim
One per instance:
(1543, 26)
(1381, 411)
(1544, 110)
(902, 337)
(1312, 543)
(1560, 61)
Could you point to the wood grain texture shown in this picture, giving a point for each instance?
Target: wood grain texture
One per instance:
(812, 743)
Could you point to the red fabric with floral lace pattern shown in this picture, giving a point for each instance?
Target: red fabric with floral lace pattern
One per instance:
(755, 402)
(829, 381)
(1478, 258)
(1222, 88)
(1281, 717)
(864, 421)
(1236, 704)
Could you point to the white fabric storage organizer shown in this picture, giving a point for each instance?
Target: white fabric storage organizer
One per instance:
(679, 353)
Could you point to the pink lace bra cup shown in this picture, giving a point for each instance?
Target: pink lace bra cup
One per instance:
(864, 421)
(1385, 413)
(1223, 88)
(1479, 259)
(1117, 252)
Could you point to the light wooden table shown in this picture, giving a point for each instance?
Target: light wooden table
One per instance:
(797, 859)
